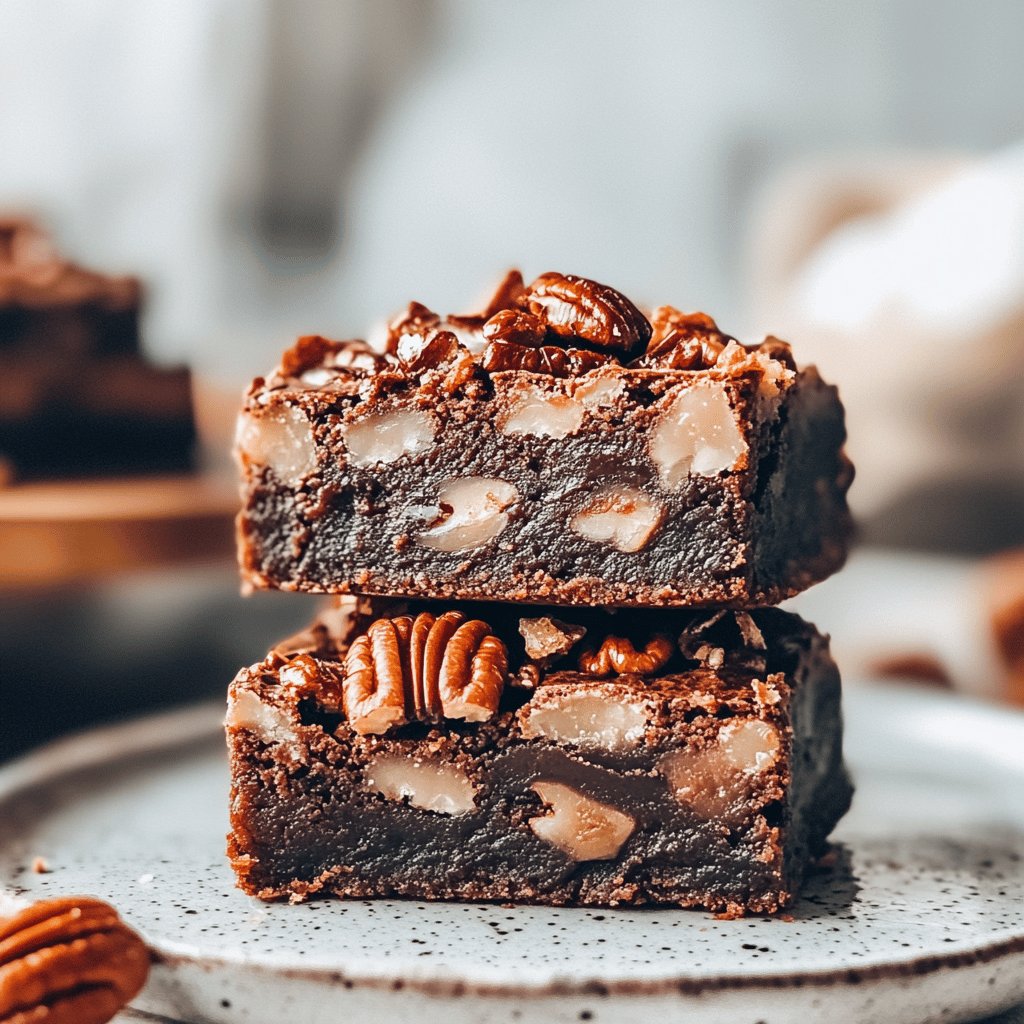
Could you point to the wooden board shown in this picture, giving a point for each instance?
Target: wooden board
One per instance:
(61, 532)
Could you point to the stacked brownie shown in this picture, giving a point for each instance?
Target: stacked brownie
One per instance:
(77, 397)
(550, 675)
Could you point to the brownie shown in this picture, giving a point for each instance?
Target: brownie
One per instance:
(77, 397)
(537, 755)
(560, 447)
(49, 303)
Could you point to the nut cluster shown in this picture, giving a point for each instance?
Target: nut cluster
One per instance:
(69, 961)
(683, 341)
(617, 654)
(426, 668)
(561, 325)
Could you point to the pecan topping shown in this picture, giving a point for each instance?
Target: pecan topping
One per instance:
(683, 341)
(558, 362)
(69, 961)
(440, 350)
(423, 669)
(472, 673)
(419, 352)
(616, 654)
(575, 307)
(516, 326)
(312, 351)
(507, 295)
(415, 319)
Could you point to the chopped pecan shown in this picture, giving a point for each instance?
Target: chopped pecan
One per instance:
(683, 341)
(507, 295)
(422, 669)
(415, 319)
(545, 638)
(420, 352)
(575, 307)
(69, 961)
(516, 326)
(309, 351)
(617, 654)
(312, 351)
(558, 362)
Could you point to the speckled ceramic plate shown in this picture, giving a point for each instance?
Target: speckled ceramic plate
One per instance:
(922, 918)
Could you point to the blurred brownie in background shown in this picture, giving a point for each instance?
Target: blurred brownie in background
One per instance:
(77, 397)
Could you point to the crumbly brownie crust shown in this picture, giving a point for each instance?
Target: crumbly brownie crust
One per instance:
(711, 780)
(607, 459)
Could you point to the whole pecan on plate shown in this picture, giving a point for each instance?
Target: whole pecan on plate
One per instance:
(617, 654)
(425, 668)
(68, 961)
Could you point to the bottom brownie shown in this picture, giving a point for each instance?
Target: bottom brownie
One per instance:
(493, 752)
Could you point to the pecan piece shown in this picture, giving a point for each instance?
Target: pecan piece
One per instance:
(617, 654)
(418, 353)
(312, 351)
(414, 319)
(507, 295)
(549, 359)
(422, 669)
(69, 961)
(576, 307)
(683, 341)
(516, 326)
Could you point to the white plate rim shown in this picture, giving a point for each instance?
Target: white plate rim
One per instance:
(166, 730)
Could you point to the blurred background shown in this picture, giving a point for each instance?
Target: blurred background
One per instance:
(846, 176)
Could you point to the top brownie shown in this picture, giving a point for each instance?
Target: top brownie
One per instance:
(560, 447)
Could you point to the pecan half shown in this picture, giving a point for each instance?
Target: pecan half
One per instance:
(549, 359)
(472, 673)
(423, 669)
(507, 295)
(576, 307)
(374, 689)
(683, 341)
(617, 654)
(68, 961)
